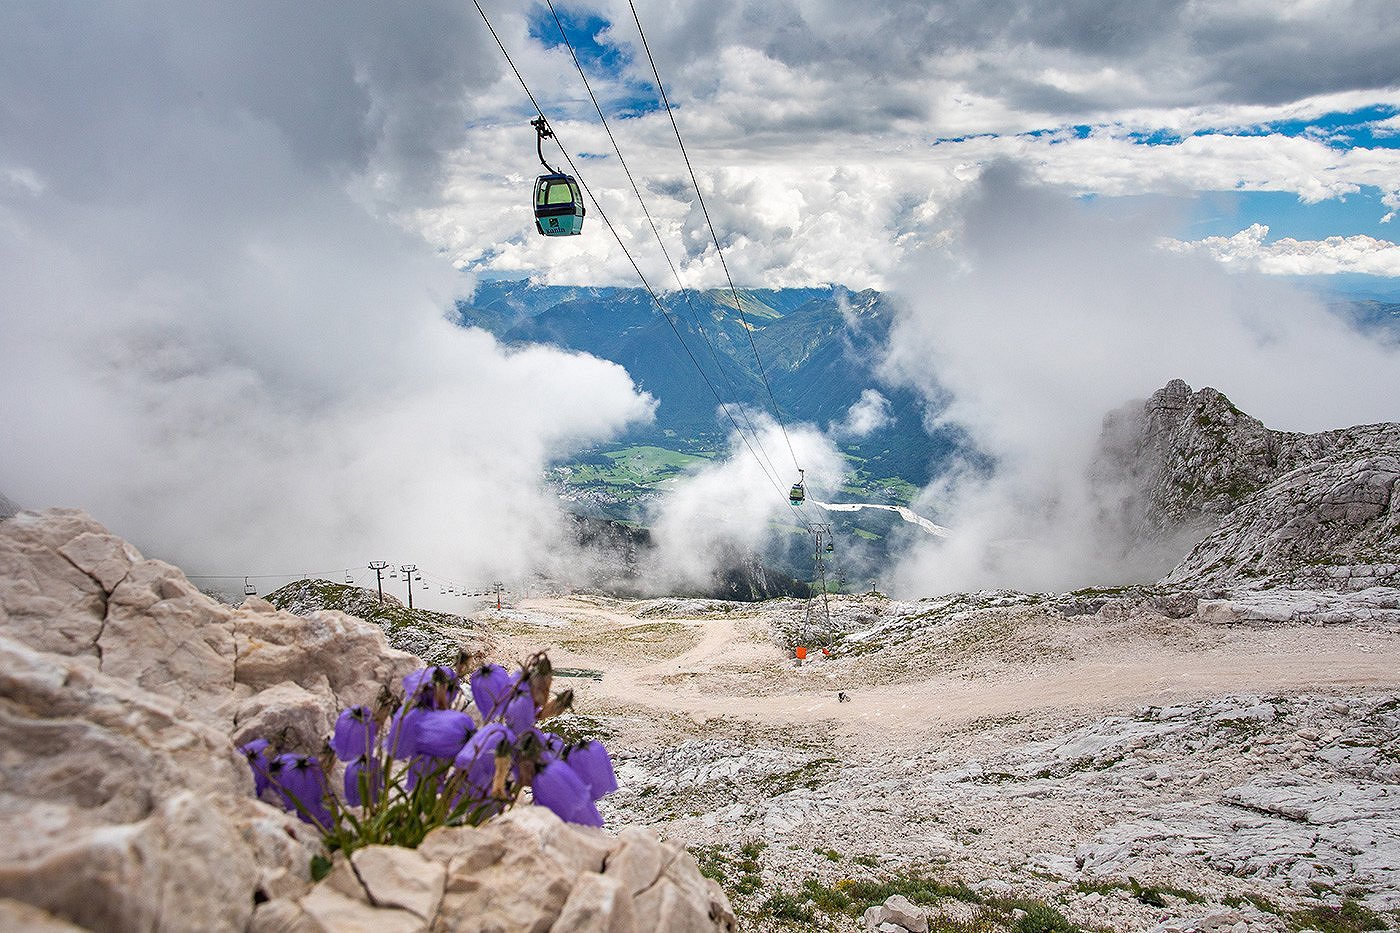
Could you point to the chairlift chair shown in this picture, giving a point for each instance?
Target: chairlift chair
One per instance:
(248, 588)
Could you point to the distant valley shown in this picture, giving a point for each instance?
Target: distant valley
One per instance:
(820, 346)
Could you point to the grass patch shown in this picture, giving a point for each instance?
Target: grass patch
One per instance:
(1249, 727)
(809, 776)
(919, 888)
(851, 897)
(784, 906)
(572, 728)
(1151, 895)
(1347, 917)
(1040, 917)
(738, 873)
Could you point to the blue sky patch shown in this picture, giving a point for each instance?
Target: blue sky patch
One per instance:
(600, 60)
(1225, 213)
(1340, 130)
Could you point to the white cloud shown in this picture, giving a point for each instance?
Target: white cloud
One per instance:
(1050, 314)
(814, 141)
(735, 504)
(870, 411)
(217, 343)
(1287, 256)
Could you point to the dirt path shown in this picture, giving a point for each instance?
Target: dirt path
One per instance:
(723, 667)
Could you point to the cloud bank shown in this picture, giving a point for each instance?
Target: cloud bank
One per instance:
(734, 506)
(1047, 312)
(1288, 256)
(823, 151)
(217, 340)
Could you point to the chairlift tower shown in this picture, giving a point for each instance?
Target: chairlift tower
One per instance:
(379, 566)
(408, 571)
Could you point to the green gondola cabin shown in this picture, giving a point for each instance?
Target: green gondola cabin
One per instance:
(558, 205)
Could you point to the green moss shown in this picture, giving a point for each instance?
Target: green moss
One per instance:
(783, 906)
(1347, 917)
(1042, 918)
(573, 728)
(811, 776)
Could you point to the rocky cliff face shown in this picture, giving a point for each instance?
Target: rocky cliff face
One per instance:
(126, 806)
(1188, 471)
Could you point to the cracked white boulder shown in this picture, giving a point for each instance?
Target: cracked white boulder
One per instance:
(126, 806)
(524, 871)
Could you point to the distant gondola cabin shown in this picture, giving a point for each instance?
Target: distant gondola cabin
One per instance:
(558, 205)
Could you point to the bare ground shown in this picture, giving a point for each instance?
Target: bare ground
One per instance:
(1040, 756)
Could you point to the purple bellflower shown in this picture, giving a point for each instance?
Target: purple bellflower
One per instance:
(255, 753)
(401, 738)
(591, 763)
(520, 710)
(354, 734)
(442, 732)
(431, 687)
(301, 784)
(558, 787)
(491, 687)
(368, 767)
(477, 759)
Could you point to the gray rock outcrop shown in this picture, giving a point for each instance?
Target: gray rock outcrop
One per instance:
(1189, 472)
(7, 507)
(126, 805)
(895, 915)
(436, 637)
(526, 870)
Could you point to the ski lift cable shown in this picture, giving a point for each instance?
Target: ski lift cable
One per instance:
(700, 197)
(636, 190)
(632, 261)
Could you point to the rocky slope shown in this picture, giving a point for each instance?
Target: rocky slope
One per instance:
(433, 636)
(1137, 760)
(126, 805)
(1188, 471)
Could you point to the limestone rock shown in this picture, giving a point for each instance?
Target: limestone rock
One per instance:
(1254, 506)
(127, 807)
(115, 805)
(1332, 524)
(896, 913)
(327, 650)
(636, 863)
(17, 915)
(333, 912)
(294, 715)
(597, 904)
(398, 877)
